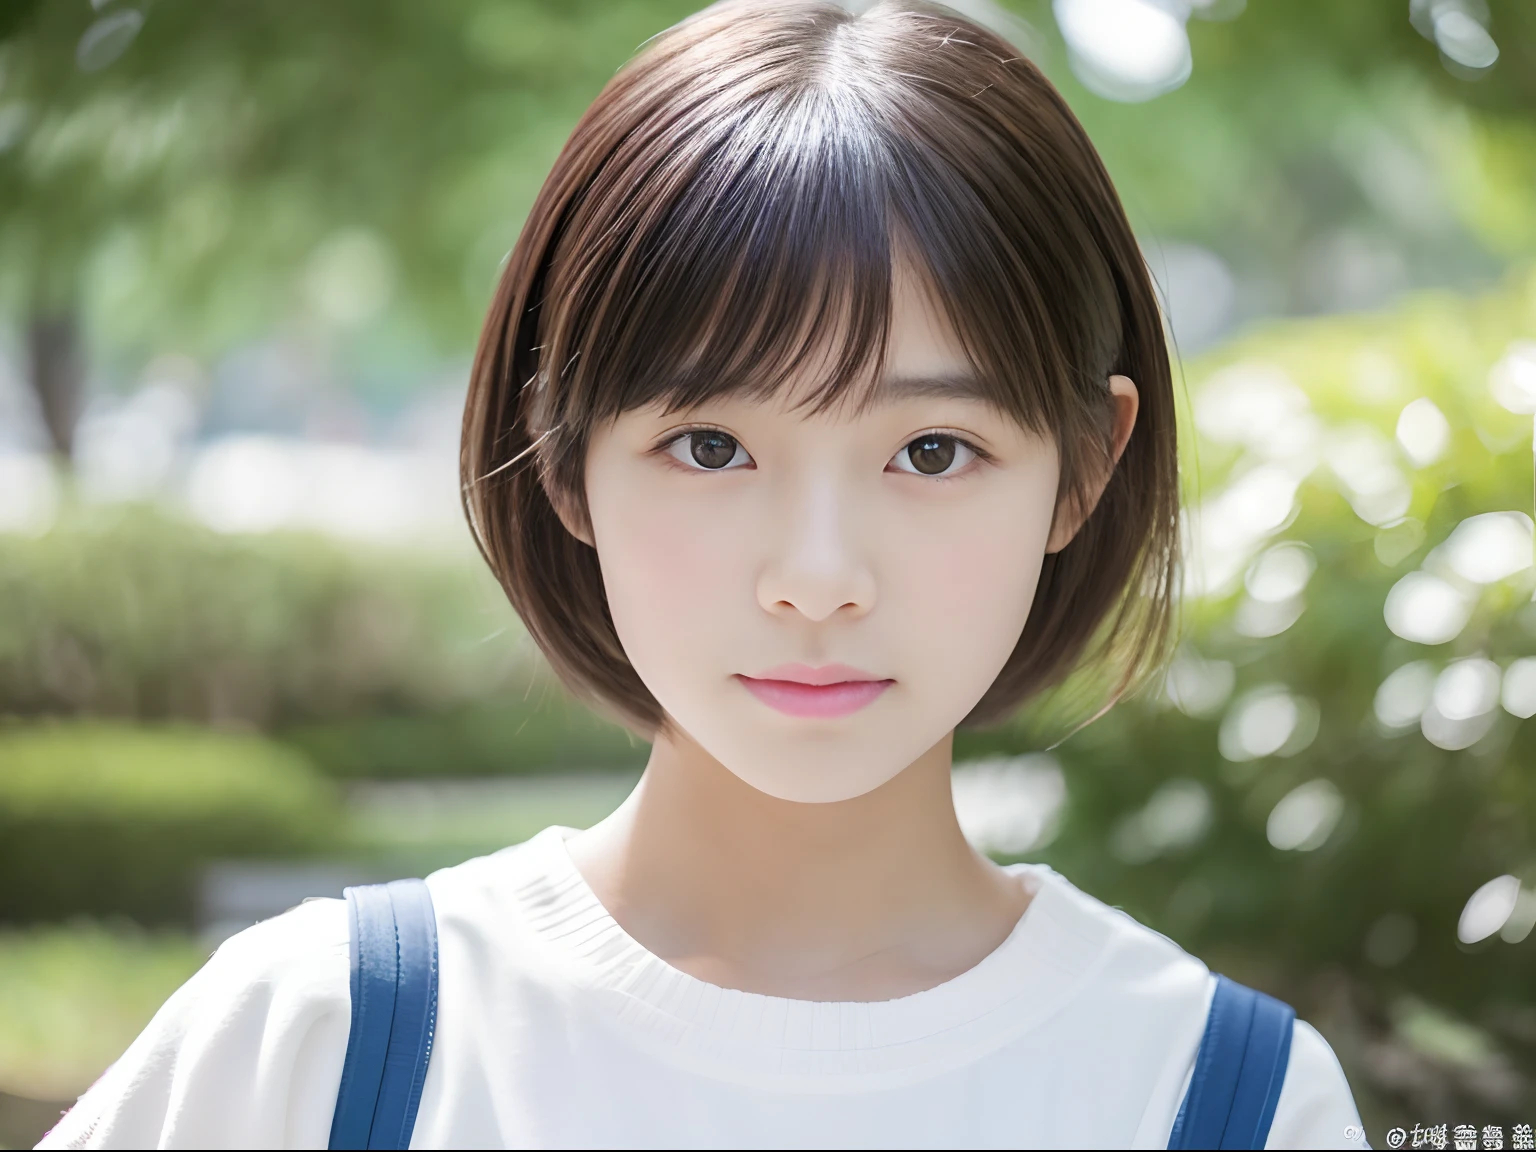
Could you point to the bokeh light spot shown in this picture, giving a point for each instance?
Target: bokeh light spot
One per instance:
(1248, 402)
(1488, 909)
(1267, 721)
(1404, 694)
(1467, 688)
(1522, 918)
(1423, 431)
(1199, 687)
(1127, 50)
(1513, 379)
(1425, 609)
(1374, 485)
(1463, 39)
(1305, 817)
(1261, 619)
(1519, 696)
(1487, 548)
(1009, 805)
(1176, 816)
(107, 38)
(1281, 573)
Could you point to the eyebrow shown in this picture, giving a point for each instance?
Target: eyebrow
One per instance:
(895, 390)
(950, 386)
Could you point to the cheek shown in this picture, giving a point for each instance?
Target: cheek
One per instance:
(971, 576)
(668, 571)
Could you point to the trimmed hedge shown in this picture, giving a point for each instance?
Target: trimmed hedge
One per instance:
(372, 662)
(132, 611)
(100, 818)
(496, 738)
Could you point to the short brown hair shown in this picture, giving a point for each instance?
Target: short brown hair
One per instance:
(731, 204)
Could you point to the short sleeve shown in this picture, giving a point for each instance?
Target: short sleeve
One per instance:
(1316, 1108)
(246, 1054)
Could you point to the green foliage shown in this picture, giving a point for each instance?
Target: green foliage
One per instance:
(413, 829)
(1301, 122)
(101, 818)
(373, 663)
(1175, 809)
(235, 163)
(184, 186)
(546, 732)
(72, 997)
(132, 612)
(350, 174)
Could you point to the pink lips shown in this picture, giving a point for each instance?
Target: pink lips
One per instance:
(827, 692)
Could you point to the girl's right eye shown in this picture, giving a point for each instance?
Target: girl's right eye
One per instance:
(708, 449)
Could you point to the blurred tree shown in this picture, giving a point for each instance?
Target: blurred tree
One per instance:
(189, 175)
(1317, 143)
(1331, 796)
(192, 174)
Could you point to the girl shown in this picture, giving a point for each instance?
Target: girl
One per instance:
(823, 407)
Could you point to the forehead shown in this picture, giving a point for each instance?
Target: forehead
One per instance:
(922, 341)
(923, 358)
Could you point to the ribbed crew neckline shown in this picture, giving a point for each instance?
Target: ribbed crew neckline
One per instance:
(1051, 953)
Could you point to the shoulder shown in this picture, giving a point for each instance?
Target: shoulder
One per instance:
(1122, 957)
(286, 969)
(247, 1051)
(1316, 1108)
(1138, 1005)
(1156, 996)
(302, 954)
(506, 898)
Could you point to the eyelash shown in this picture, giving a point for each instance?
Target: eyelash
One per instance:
(661, 449)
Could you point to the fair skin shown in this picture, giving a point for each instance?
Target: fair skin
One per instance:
(818, 857)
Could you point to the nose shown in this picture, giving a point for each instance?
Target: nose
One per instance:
(817, 567)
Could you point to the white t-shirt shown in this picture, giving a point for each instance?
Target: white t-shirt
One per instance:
(555, 1029)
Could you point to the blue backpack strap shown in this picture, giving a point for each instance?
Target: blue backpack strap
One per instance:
(1238, 1072)
(394, 1014)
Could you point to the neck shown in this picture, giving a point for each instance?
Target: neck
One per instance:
(865, 899)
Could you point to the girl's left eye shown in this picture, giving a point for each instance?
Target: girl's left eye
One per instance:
(708, 450)
(934, 454)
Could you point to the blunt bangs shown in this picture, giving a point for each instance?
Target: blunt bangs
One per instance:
(729, 217)
(764, 254)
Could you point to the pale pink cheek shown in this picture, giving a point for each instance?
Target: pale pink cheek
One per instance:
(996, 574)
(678, 544)
(959, 599)
(979, 605)
(989, 558)
(669, 569)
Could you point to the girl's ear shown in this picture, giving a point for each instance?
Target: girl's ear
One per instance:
(1074, 508)
(572, 515)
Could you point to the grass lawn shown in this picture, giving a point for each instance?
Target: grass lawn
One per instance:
(73, 997)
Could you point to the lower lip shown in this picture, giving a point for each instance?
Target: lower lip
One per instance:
(823, 701)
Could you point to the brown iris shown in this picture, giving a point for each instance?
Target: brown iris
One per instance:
(711, 449)
(932, 454)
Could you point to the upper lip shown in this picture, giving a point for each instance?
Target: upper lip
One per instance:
(826, 674)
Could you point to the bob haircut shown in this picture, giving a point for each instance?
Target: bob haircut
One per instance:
(727, 215)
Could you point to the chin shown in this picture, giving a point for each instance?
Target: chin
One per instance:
(811, 767)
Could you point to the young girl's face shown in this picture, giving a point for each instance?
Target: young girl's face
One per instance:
(895, 552)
